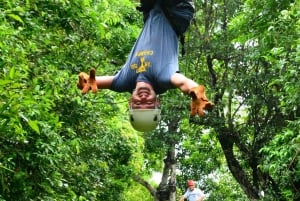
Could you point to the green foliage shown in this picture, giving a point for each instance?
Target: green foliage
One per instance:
(248, 55)
(276, 36)
(137, 192)
(282, 160)
(220, 186)
(56, 144)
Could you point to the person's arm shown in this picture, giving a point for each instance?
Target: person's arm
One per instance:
(182, 82)
(181, 198)
(201, 195)
(200, 104)
(104, 82)
(201, 198)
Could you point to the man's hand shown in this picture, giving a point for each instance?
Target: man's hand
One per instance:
(181, 198)
(87, 82)
(200, 104)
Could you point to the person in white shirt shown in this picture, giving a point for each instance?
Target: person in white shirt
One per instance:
(192, 193)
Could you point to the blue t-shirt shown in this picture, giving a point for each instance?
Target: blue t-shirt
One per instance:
(153, 58)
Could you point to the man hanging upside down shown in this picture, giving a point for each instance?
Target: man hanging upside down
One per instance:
(152, 67)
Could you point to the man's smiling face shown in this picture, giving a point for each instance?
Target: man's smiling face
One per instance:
(143, 97)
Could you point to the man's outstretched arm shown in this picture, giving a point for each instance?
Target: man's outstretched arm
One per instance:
(182, 82)
(104, 82)
(200, 104)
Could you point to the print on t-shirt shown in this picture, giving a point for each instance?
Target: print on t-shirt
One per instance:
(143, 64)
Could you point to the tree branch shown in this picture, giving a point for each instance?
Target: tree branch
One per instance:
(145, 184)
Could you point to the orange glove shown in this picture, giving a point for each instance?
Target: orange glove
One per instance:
(199, 101)
(87, 82)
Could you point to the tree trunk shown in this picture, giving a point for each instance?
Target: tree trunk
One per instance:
(167, 188)
(235, 168)
(166, 191)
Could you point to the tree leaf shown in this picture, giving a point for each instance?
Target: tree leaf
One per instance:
(34, 126)
(16, 17)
